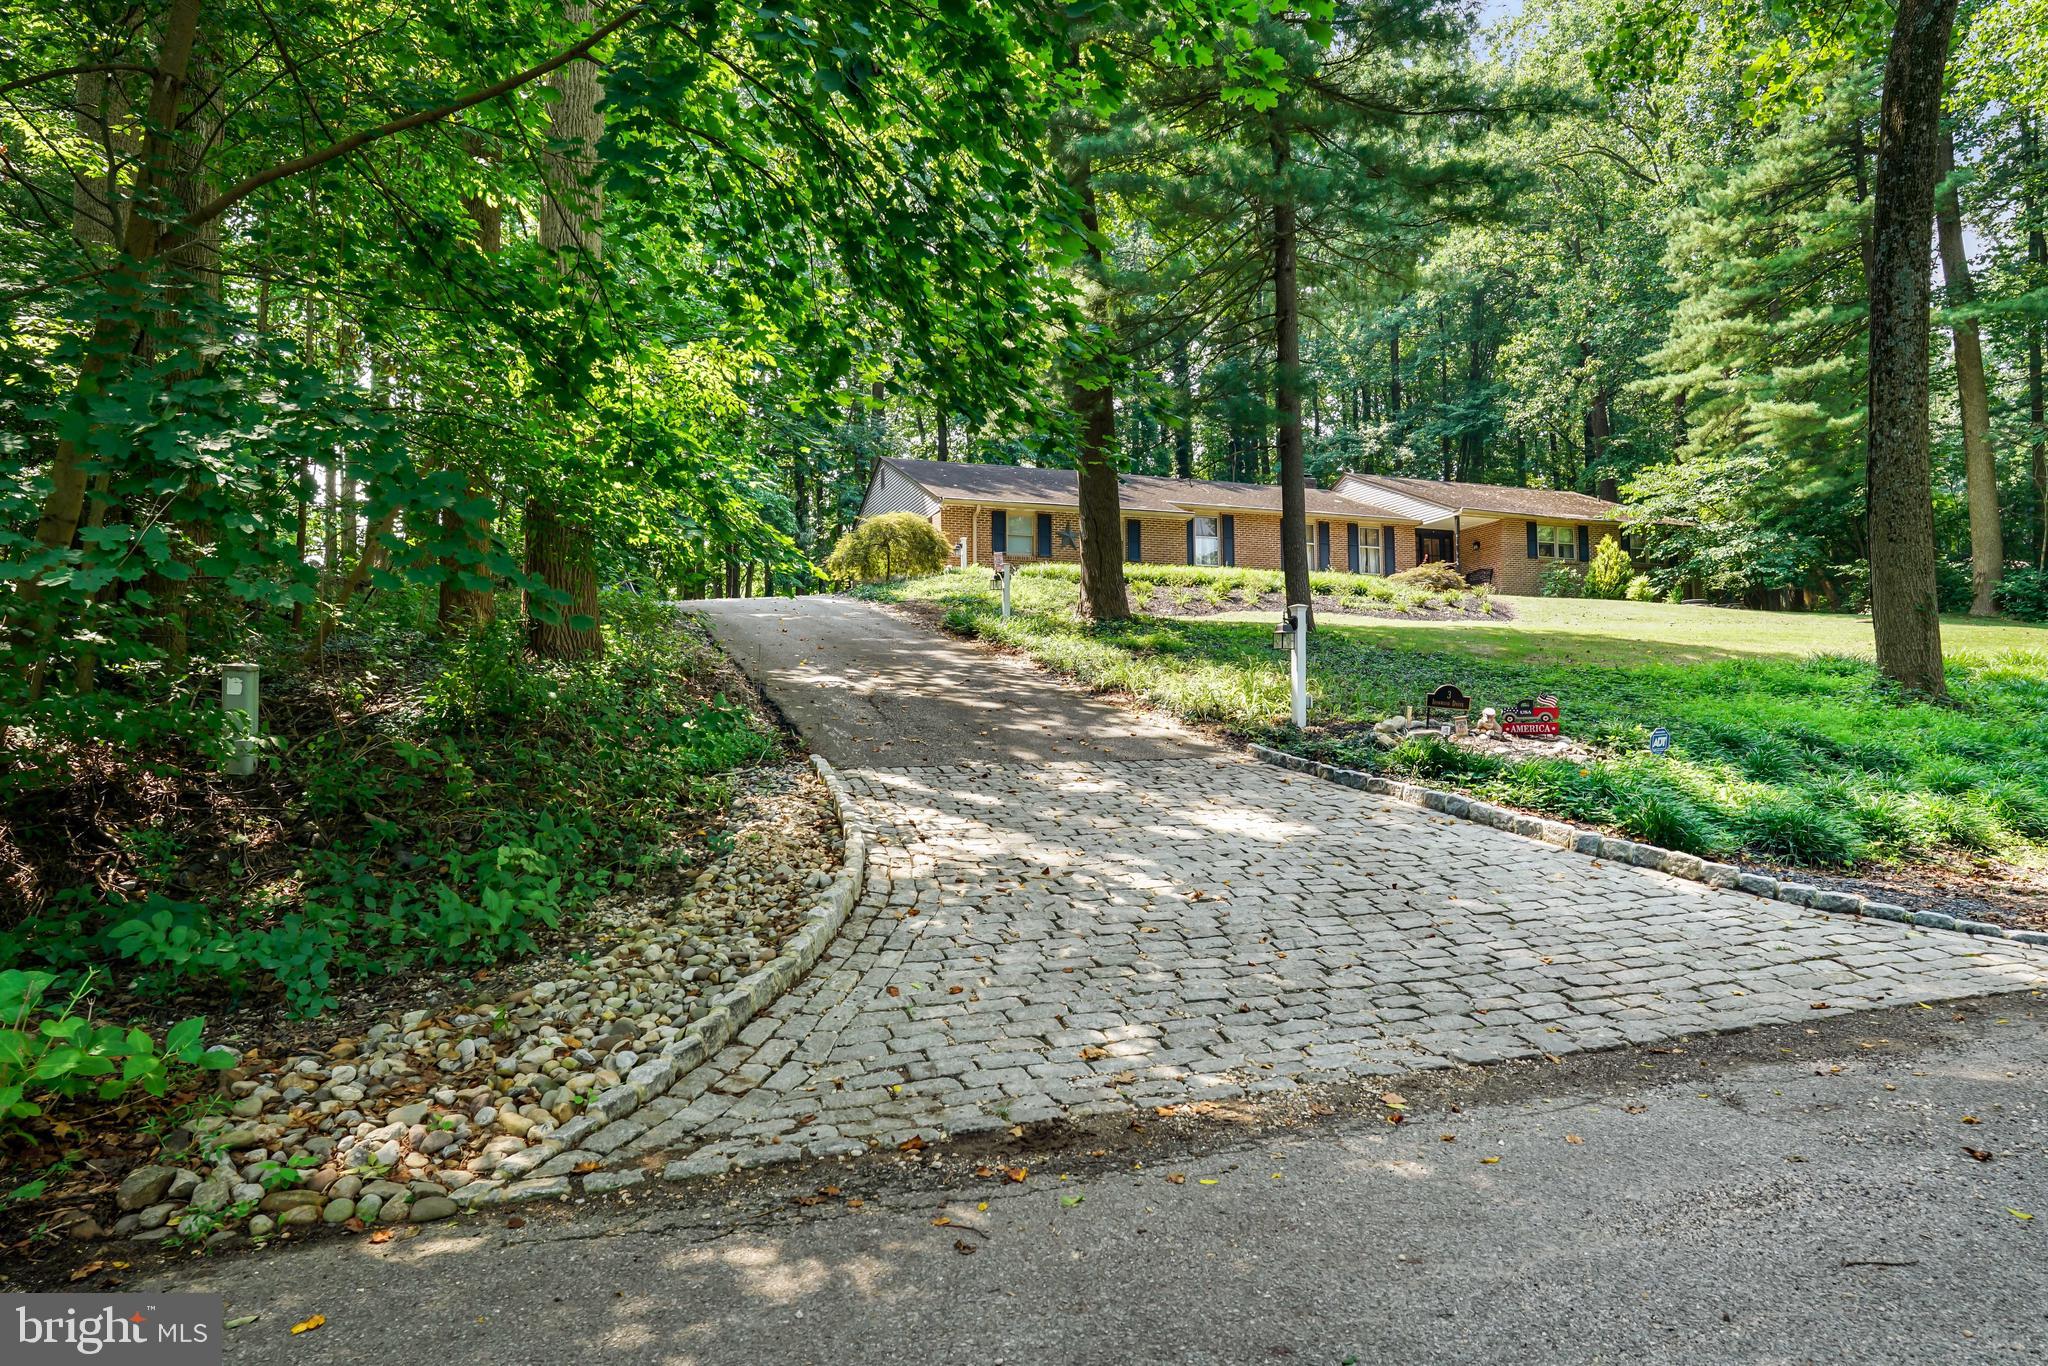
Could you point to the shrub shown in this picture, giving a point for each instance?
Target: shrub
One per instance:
(1640, 589)
(1563, 581)
(1438, 576)
(2023, 593)
(50, 1051)
(1608, 573)
(884, 547)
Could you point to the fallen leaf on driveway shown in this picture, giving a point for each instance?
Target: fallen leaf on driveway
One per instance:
(309, 1325)
(243, 1322)
(1488, 1161)
(1206, 1181)
(942, 1222)
(382, 1235)
(1979, 1154)
(1177, 1179)
(1971, 1119)
(1633, 1109)
(2017, 1213)
(1014, 1175)
(1818, 1005)
(915, 1143)
(1392, 1098)
(1091, 1053)
(963, 1247)
(1447, 1138)
(895, 991)
(1069, 1201)
(1573, 1138)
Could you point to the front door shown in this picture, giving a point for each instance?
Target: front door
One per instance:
(1432, 546)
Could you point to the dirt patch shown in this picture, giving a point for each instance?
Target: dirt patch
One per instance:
(1981, 888)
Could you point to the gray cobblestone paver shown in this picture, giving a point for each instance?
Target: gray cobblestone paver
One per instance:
(1085, 938)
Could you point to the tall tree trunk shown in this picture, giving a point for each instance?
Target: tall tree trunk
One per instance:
(459, 606)
(1184, 433)
(1394, 375)
(1987, 541)
(1287, 381)
(559, 556)
(560, 546)
(1092, 401)
(1904, 604)
(942, 427)
(2037, 278)
(114, 331)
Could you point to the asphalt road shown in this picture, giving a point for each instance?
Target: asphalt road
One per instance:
(868, 689)
(1789, 1195)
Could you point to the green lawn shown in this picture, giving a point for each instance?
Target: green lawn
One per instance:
(1786, 746)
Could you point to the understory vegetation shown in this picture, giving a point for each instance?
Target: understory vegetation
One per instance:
(1427, 588)
(418, 804)
(1808, 760)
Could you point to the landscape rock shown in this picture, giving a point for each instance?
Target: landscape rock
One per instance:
(143, 1187)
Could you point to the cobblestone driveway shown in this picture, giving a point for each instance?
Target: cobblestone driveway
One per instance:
(1089, 937)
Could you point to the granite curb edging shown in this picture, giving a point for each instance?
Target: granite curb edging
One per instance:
(1691, 867)
(548, 1170)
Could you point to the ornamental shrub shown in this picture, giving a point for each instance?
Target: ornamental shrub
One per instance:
(1609, 571)
(886, 547)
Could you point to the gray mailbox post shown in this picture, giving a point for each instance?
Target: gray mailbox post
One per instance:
(1291, 635)
(240, 689)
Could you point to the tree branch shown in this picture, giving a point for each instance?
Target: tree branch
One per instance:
(188, 226)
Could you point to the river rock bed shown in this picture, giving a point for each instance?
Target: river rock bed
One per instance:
(429, 1110)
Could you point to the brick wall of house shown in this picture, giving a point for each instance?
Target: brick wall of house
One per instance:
(1504, 547)
(1162, 538)
(1164, 543)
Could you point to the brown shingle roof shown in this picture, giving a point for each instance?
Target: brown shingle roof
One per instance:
(1495, 498)
(946, 479)
(1215, 493)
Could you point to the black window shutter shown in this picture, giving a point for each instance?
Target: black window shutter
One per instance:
(998, 533)
(1387, 544)
(1585, 544)
(1191, 540)
(1322, 545)
(1532, 540)
(1134, 540)
(1229, 539)
(1045, 535)
(1351, 546)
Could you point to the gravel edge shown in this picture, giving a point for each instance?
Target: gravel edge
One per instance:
(730, 1012)
(1691, 867)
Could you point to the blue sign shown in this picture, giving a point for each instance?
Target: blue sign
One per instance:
(1660, 741)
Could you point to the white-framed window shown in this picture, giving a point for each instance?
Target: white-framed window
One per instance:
(1208, 541)
(1021, 533)
(1369, 547)
(1557, 542)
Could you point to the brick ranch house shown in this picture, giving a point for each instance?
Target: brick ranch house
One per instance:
(1367, 524)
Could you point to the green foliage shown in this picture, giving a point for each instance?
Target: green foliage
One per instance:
(506, 800)
(52, 1049)
(1640, 589)
(2023, 593)
(1608, 573)
(1236, 588)
(886, 546)
(1562, 580)
(1434, 577)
